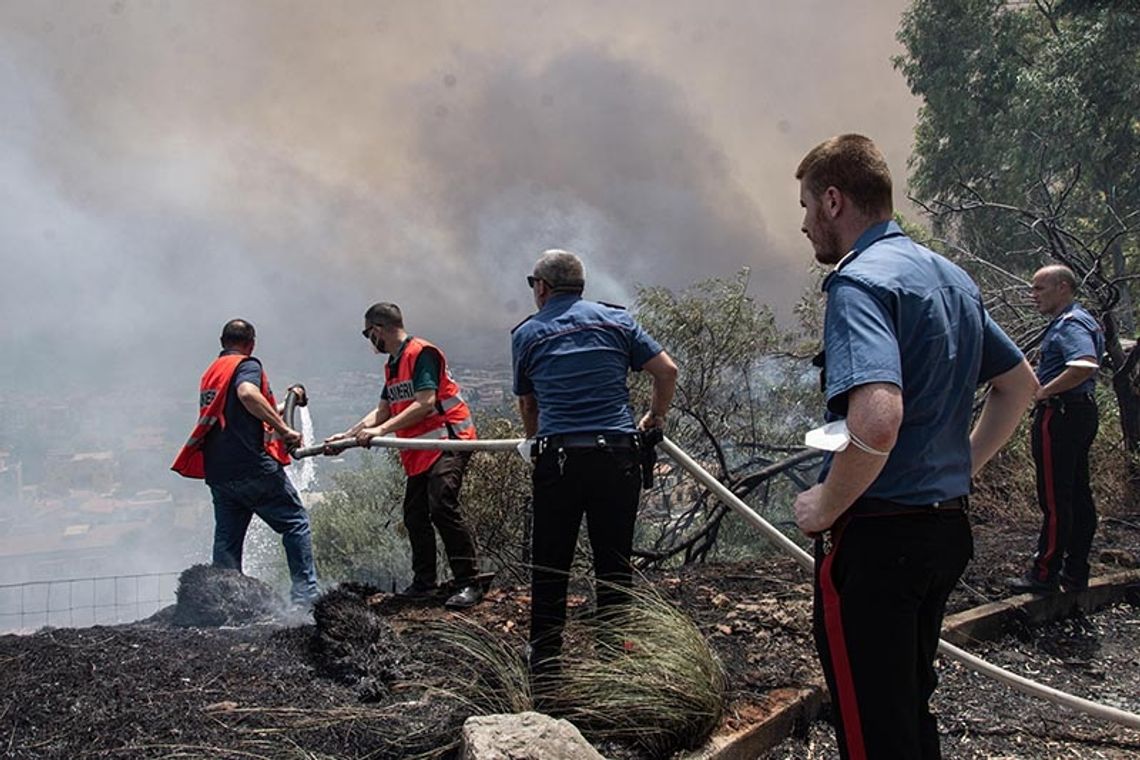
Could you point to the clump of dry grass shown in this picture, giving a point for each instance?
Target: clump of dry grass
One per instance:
(648, 679)
(643, 676)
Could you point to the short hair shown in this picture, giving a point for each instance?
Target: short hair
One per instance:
(384, 315)
(853, 165)
(561, 270)
(1060, 273)
(237, 332)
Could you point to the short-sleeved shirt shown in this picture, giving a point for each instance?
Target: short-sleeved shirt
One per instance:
(425, 372)
(899, 313)
(574, 355)
(1072, 334)
(237, 451)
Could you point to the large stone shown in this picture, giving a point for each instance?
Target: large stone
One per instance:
(524, 736)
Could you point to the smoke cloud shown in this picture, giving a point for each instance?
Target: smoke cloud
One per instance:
(166, 166)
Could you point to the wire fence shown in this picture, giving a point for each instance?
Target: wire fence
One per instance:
(80, 602)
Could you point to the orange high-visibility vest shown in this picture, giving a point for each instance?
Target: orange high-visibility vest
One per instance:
(450, 419)
(212, 399)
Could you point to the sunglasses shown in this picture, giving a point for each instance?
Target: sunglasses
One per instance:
(367, 332)
(531, 280)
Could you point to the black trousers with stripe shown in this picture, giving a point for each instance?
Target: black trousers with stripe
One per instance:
(880, 595)
(1062, 435)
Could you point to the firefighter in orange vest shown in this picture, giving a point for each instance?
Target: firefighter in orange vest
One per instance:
(240, 446)
(420, 400)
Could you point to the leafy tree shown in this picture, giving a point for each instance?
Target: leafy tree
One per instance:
(1026, 150)
(1022, 101)
(742, 402)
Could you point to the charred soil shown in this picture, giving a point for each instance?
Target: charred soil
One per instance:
(371, 680)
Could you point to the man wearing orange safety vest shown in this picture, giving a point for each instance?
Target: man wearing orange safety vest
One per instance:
(421, 401)
(239, 446)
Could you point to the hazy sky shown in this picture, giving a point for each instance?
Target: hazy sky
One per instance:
(165, 166)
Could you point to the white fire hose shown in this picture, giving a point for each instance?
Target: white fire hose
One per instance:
(726, 496)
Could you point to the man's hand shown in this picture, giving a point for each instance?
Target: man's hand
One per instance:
(811, 517)
(651, 420)
(365, 435)
(291, 437)
(332, 451)
(298, 393)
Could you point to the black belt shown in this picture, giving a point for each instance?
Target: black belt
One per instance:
(873, 506)
(587, 441)
(1060, 400)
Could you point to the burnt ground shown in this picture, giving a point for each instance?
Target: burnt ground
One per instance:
(369, 686)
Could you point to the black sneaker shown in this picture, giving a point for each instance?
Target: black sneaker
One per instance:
(467, 596)
(417, 590)
(1069, 583)
(1029, 585)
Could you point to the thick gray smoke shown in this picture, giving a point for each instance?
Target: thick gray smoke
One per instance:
(165, 166)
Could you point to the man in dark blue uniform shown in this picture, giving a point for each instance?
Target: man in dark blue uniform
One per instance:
(906, 342)
(570, 361)
(1065, 422)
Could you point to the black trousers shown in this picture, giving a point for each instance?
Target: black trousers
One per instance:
(604, 486)
(880, 595)
(432, 499)
(1062, 435)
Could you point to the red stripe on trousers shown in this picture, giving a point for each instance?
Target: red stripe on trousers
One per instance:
(840, 665)
(1050, 497)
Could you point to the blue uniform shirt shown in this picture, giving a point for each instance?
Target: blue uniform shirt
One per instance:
(574, 355)
(1072, 334)
(899, 313)
(238, 451)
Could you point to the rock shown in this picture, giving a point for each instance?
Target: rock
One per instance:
(523, 736)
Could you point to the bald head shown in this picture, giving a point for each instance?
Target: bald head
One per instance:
(1053, 288)
(1058, 274)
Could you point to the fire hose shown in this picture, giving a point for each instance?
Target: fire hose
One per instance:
(678, 455)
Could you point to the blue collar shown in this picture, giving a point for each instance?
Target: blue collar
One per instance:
(871, 235)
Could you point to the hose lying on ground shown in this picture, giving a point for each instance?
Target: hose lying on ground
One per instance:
(722, 492)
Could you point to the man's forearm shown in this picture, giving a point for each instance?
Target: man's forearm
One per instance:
(257, 405)
(415, 413)
(1070, 378)
(852, 473)
(1010, 394)
(528, 413)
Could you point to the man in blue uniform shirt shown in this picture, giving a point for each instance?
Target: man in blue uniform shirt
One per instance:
(571, 360)
(1065, 422)
(906, 342)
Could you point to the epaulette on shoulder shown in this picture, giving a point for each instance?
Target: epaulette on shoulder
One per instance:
(520, 324)
(612, 305)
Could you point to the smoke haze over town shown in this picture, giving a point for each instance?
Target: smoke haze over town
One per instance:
(166, 166)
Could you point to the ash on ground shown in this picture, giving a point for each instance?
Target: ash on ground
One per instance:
(210, 597)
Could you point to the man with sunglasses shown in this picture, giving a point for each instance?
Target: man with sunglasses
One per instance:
(420, 400)
(571, 360)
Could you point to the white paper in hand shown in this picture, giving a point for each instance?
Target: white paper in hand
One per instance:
(524, 448)
(831, 437)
